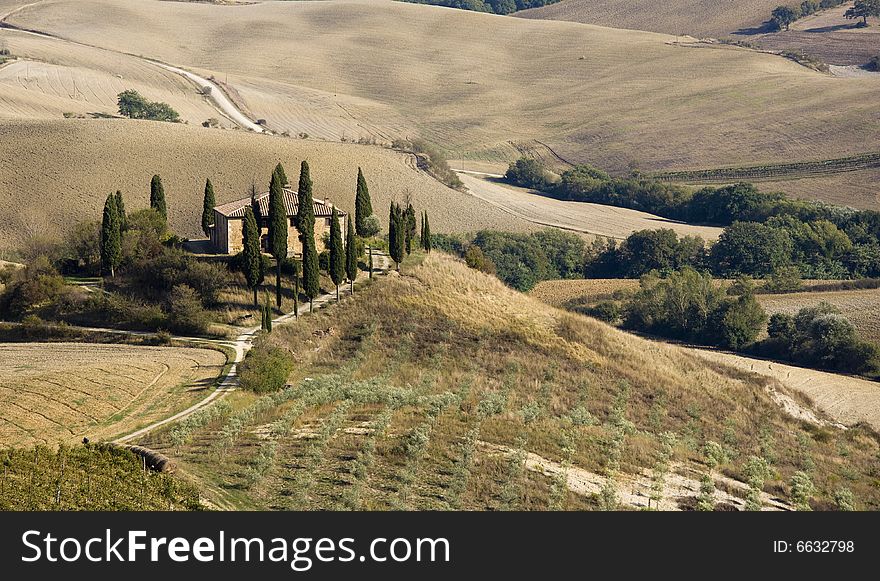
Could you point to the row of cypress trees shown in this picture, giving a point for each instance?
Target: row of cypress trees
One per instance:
(402, 232)
(115, 221)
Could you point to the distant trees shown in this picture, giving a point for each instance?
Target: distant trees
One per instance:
(337, 252)
(863, 9)
(351, 258)
(278, 226)
(252, 256)
(111, 237)
(363, 209)
(491, 6)
(528, 173)
(782, 16)
(208, 204)
(157, 197)
(134, 106)
(305, 224)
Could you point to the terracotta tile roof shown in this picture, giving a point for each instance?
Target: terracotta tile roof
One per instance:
(323, 208)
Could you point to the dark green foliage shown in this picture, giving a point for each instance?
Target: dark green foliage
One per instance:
(409, 218)
(363, 208)
(152, 277)
(751, 248)
(134, 106)
(157, 197)
(351, 253)
(185, 312)
(427, 242)
(111, 237)
(121, 215)
(277, 226)
(527, 172)
(819, 337)
(305, 223)
(253, 258)
(208, 204)
(265, 369)
(396, 234)
(282, 176)
(782, 16)
(476, 259)
(687, 305)
(644, 251)
(36, 284)
(863, 9)
(337, 252)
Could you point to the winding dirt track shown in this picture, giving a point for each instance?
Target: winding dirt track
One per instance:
(582, 217)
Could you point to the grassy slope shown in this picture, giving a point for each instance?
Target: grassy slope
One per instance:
(64, 169)
(694, 17)
(620, 99)
(518, 369)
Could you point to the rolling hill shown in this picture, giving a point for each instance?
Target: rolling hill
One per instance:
(443, 389)
(57, 173)
(693, 17)
(472, 82)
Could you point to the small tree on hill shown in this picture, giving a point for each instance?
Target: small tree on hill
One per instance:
(253, 258)
(305, 223)
(363, 209)
(863, 9)
(111, 243)
(120, 212)
(277, 227)
(783, 16)
(351, 259)
(426, 234)
(337, 253)
(157, 197)
(208, 208)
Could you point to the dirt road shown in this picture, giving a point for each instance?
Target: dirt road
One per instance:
(586, 218)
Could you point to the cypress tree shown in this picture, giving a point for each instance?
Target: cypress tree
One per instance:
(363, 207)
(295, 266)
(337, 253)
(305, 223)
(422, 231)
(157, 197)
(427, 234)
(267, 315)
(351, 262)
(277, 228)
(253, 258)
(120, 212)
(409, 217)
(111, 246)
(208, 208)
(279, 169)
(397, 234)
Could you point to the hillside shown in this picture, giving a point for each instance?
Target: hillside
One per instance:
(694, 17)
(64, 169)
(472, 82)
(443, 389)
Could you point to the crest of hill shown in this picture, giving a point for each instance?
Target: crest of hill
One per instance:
(473, 83)
(693, 17)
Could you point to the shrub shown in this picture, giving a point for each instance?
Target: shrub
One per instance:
(185, 312)
(608, 311)
(785, 279)
(527, 173)
(265, 369)
(134, 106)
(35, 285)
(475, 258)
(874, 63)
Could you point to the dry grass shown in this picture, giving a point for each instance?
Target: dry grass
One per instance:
(619, 99)
(581, 217)
(75, 163)
(518, 370)
(694, 17)
(60, 392)
(857, 189)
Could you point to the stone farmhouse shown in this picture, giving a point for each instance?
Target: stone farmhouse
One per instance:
(227, 238)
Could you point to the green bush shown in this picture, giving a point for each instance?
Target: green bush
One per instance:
(185, 312)
(134, 106)
(527, 173)
(265, 369)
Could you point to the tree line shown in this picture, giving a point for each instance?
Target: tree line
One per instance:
(491, 6)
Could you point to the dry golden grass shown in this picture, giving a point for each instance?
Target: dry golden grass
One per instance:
(441, 327)
(473, 82)
(858, 189)
(694, 17)
(54, 393)
(64, 170)
(862, 307)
